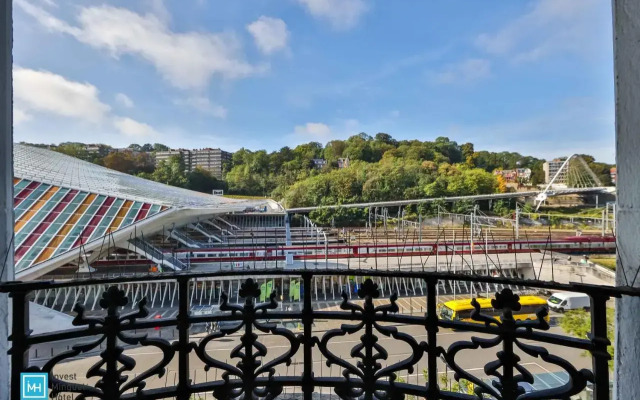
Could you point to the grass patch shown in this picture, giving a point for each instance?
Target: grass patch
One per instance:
(605, 262)
(242, 197)
(582, 211)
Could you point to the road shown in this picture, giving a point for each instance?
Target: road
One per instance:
(413, 305)
(471, 360)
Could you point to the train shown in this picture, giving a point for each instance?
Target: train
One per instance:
(569, 245)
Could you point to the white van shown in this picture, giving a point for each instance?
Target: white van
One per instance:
(564, 301)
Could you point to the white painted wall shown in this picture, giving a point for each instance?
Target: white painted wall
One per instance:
(626, 22)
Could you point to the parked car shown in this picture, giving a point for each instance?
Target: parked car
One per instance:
(563, 301)
(528, 388)
(225, 324)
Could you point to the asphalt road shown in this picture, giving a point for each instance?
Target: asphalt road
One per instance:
(472, 360)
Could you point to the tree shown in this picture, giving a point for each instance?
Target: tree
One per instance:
(386, 138)
(537, 173)
(466, 386)
(120, 161)
(307, 152)
(467, 150)
(170, 172)
(448, 149)
(334, 150)
(463, 386)
(358, 147)
(464, 181)
(77, 150)
(127, 162)
(381, 168)
(278, 158)
(201, 180)
(578, 323)
(144, 162)
(104, 150)
(501, 208)
(502, 184)
(160, 147)
(527, 208)
(240, 157)
(378, 150)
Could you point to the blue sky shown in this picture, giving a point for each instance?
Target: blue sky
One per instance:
(529, 76)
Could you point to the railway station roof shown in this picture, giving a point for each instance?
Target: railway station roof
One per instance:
(53, 168)
(62, 203)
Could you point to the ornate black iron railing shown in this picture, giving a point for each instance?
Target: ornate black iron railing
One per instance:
(362, 374)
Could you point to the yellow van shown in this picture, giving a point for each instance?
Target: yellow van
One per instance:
(460, 310)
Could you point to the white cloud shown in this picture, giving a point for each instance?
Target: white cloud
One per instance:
(131, 127)
(160, 10)
(270, 34)
(186, 60)
(45, 18)
(20, 116)
(465, 72)
(124, 100)
(43, 91)
(203, 105)
(341, 14)
(49, 3)
(321, 132)
(550, 26)
(314, 130)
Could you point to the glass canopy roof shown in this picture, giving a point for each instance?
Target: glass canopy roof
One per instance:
(62, 203)
(58, 169)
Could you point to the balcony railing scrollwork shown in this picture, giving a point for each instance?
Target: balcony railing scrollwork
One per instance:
(257, 370)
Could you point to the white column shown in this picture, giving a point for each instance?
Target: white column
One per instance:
(6, 186)
(626, 23)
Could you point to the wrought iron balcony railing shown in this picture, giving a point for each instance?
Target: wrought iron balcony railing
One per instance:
(364, 371)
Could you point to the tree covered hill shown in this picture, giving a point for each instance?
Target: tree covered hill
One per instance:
(379, 168)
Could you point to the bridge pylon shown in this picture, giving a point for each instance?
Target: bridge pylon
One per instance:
(573, 173)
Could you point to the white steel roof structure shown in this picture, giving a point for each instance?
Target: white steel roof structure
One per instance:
(65, 208)
(58, 169)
